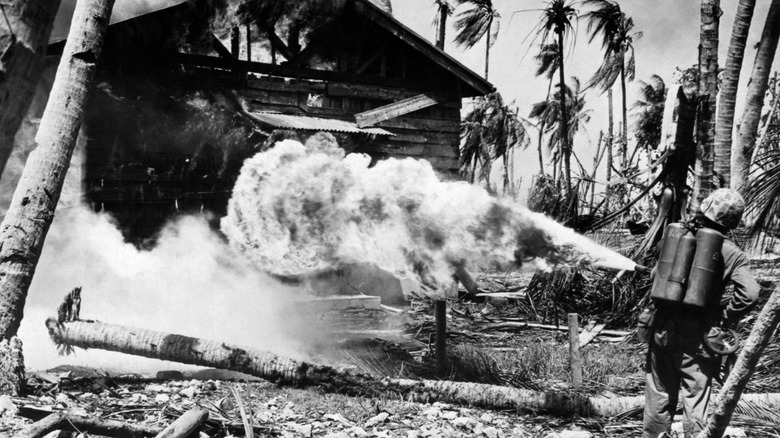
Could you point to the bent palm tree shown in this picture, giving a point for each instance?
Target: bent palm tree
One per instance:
(480, 19)
(615, 29)
(751, 115)
(727, 99)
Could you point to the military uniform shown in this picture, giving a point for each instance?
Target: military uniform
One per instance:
(678, 366)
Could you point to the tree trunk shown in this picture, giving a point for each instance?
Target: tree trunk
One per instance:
(610, 158)
(487, 48)
(30, 214)
(708, 85)
(283, 370)
(22, 51)
(624, 108)
(751, 116)
(724, 126)
(729, 395)
(565, 148)
(442, 26)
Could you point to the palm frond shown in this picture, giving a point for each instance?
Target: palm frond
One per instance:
(763, 195)
(548, 60)
(474, 21)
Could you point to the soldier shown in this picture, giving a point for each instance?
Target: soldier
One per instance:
(680, 364)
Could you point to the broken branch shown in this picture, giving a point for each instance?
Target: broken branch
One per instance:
(80, 424)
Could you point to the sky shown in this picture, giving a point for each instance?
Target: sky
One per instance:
(670, 38)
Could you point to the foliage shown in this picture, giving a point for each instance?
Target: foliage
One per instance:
(557, 18)
(548, 60)
(763, 195)
(475, 22)
(441, 5)
(488, 132)
(617, 40)
(649, 112)
(548, 113)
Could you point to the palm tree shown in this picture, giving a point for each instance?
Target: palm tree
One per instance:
(32, 209)
(757, 87)
(549, 114)
(480, 18)
(440, 22)
(704, 181)
(556, 23)
(649, 113)
(615, 28)
(491, 130)
(727, 98)
(548, 63)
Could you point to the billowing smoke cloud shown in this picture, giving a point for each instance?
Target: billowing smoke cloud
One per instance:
(300, 209)
(191, 283)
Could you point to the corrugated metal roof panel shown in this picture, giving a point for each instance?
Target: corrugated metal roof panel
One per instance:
(288, 121)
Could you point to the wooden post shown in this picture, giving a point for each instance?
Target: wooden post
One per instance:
(575, 358)
(249, 43)
(440, 312)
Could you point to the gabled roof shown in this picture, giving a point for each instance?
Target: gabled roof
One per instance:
(420, 44)
(128, 9)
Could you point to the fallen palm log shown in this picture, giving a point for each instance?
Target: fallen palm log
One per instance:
(269, 366)
(82, 424)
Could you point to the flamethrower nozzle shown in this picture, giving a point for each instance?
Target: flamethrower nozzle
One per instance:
(638, 268)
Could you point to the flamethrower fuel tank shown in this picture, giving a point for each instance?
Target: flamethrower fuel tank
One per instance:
(706, 270)
(672, 235)
(681, 268)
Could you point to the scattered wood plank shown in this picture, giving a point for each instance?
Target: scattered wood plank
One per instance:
(589, 333)
(510, 325)
(399, 108)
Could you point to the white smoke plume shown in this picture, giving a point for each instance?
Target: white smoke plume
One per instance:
(191, 283)
(298, 209)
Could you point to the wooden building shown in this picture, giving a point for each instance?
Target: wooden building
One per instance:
(177, 109)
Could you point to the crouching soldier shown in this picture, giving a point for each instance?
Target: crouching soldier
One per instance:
(695, 264)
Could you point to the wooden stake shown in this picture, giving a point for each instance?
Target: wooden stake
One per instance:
(441, 337)
(575, 357)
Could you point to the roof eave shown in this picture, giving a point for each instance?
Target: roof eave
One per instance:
(478, 85)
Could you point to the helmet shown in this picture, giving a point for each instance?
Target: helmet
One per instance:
(724, 207)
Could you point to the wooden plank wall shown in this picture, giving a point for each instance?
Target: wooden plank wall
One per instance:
(431, 133)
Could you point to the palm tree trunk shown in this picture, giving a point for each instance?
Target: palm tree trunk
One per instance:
(565, 148)
(610, 158)
(541, 132)
(624, 131)
(729, 394)
(487, 48)
(442, 26)
(22, 51)
(29, 216)
(751, 116)
(724, 125)
(708, 85)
